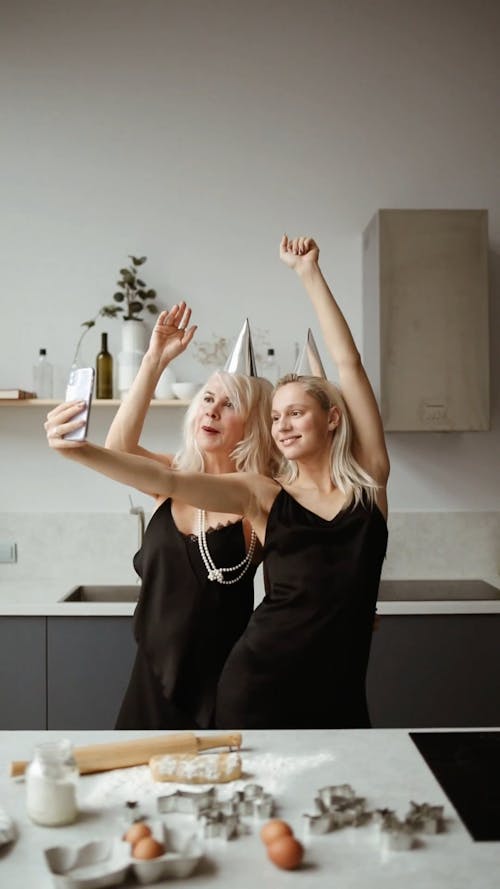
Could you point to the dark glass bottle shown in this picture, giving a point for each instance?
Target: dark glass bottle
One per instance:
(104, 370)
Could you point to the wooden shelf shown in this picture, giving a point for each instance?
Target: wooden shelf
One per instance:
(96, 402)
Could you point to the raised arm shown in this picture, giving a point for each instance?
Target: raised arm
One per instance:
(369, 448)
(170, 337)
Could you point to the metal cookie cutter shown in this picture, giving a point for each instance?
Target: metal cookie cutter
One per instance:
(397, 835)
(187, 802)
(344, 807)
(318, 824)
(337, 806)
(349, 812)
(384, 817)
(217, 824)
(425, 818)
(333, 794)
(253, 800)
(223, 807)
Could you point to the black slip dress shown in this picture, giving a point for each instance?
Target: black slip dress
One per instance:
(184, 625)
(302, 661)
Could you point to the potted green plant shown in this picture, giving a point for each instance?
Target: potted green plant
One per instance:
(133, 292)
(133, 298)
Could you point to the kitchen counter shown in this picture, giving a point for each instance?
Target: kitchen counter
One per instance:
(41, 598)
(382, 765)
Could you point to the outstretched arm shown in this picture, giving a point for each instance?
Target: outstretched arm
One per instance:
(170, 337)
(230, 493)
(369, 449)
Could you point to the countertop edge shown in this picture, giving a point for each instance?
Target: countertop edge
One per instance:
(126, 609)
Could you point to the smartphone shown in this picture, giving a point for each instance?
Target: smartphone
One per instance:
(80, 387)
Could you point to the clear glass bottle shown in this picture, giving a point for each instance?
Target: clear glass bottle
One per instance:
(51, 779)
(271, 369)
(104, 371)
(43, 376)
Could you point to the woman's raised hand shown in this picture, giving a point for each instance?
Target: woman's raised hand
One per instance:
(60, 421)
(171, 334)
(298, 253)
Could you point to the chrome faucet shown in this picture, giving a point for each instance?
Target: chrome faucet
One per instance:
(139, 512)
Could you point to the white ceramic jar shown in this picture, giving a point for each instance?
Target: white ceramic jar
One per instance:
(164, 384)
(51, 780)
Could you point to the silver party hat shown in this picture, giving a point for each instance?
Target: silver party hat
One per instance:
(242, 358)
(309, 363)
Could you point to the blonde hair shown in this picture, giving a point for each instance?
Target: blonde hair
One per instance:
(252, 399)
(345, 471)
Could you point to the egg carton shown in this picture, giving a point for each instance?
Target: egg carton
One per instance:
(109, 862)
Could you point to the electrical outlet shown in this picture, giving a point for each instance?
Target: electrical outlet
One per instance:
(8, 552)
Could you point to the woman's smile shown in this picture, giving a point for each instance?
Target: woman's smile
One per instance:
(288, 440)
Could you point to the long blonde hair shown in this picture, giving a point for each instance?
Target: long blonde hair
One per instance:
(345, 471)
(256, 452)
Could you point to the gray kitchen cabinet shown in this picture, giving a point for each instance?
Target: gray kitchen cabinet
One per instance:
(23, 684)
(425, 318)
(439, 670)
(89, 660)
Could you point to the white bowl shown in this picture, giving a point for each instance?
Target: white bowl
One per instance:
(185, 390)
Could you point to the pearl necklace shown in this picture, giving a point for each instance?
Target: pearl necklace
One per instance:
(213, 572)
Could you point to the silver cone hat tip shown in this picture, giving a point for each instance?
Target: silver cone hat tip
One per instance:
(242, 358)
(309, 363)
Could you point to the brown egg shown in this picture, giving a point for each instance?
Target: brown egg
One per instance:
(285, 852)
(148, 847)
(136, 832)
(274, 829)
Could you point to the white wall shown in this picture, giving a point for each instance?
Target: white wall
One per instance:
(196, 133)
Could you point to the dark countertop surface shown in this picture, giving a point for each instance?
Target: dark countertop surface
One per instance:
(43, 599)
(436, 590)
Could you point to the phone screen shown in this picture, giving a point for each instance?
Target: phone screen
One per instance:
(80, 387)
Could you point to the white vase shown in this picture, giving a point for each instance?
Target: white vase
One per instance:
(164, 385)
(134, 336)
(134, 344)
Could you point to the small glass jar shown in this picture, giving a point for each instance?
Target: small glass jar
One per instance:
(51, 780)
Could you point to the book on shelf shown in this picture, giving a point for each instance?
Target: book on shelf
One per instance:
(15, 394)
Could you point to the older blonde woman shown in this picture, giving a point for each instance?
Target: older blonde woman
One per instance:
(196, 566)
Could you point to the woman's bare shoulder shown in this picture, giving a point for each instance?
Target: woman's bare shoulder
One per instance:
(263, 489)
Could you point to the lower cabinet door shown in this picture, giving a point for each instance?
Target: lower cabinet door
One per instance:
(22, 673)
(89, 662)
(438, 670)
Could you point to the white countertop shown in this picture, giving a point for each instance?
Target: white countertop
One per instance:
(382, 765)
(41, 598)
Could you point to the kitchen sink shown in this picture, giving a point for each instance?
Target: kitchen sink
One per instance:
(103, 593)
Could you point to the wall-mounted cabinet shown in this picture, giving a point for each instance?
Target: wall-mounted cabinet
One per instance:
(425, 318)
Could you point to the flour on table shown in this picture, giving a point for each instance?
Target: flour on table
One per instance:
(272, 770)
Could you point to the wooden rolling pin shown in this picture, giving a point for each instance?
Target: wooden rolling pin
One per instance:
(123, 754)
